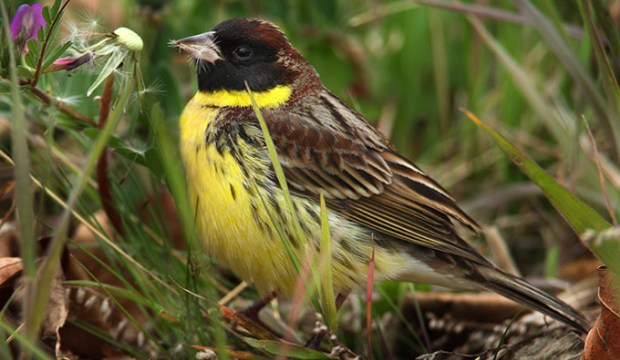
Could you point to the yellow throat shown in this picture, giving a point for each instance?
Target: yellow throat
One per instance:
(265, 99)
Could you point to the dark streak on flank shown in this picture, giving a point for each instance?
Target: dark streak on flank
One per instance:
(232, 192)
(313, 214)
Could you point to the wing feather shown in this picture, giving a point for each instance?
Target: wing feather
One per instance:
(344, 158)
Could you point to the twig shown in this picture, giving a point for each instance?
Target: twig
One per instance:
(62, 106)
(102, 164)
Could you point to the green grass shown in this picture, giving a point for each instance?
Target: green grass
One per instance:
(408, 67)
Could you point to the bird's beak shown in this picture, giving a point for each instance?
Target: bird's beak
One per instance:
(200, 47)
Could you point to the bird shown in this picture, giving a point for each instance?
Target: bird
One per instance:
(380, 205)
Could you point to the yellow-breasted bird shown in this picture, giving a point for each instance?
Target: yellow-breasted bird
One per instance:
(376, 198)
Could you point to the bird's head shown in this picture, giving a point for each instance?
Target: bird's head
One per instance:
(240, 51)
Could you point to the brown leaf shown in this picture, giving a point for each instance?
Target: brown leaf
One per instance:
(9, 240)
(603, 341)
(56, 314)
(9, 266)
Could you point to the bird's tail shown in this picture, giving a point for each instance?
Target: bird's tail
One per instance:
(521, 291)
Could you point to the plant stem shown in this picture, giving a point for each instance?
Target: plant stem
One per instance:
(102, 165)
(63, 107)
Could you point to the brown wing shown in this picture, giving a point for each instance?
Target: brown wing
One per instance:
(329, 148)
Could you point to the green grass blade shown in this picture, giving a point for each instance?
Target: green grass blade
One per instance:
(328, 299)
(563, 133)
(584, 220)
(273, 156)
(23, 186)
(298, 231)
(578, 214)
(574, 67)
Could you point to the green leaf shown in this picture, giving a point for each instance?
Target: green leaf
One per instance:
(51, 33)
(55, 54)
(41, 35)
(55, 8)
(46, 14)
(25, 72)
(578, 214)
(286, 349)
(30, 60)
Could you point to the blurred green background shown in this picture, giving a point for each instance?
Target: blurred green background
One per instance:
(528, 68)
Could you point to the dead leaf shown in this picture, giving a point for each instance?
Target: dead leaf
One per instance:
(603, 341)
(9, 266)
(9, 241)
(56, 314)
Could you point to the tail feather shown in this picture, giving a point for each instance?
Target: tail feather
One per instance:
(521, 291)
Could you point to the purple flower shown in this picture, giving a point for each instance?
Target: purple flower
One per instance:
(70, 63)
(26, 23)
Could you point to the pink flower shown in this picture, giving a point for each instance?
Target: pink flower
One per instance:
(26, 23)
(70, 63)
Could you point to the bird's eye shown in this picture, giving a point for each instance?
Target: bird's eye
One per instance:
(243, 53)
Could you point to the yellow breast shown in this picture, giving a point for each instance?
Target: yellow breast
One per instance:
(238, 220)
(231, 223)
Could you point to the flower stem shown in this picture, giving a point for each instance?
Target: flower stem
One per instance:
(48, 36)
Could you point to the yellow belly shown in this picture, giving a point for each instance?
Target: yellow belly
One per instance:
(225, 216)
(239, 227)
